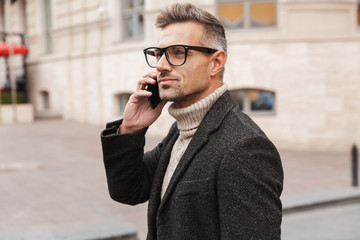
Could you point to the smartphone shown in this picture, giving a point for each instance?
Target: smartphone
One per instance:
(154, 99)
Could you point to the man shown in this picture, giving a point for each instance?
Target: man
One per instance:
(215, 175)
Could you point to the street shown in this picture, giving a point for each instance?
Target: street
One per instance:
(53, 183)
(336, 222)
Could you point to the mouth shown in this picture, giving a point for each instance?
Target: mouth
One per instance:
(166, 80)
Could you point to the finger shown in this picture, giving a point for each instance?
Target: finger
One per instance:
(151, 75)
(145, 81)
(142, 94)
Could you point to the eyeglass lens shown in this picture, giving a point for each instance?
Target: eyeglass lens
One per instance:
(176, 55)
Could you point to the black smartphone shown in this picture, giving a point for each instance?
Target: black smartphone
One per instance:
(154, 99)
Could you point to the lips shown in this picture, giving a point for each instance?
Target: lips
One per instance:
(166, 80)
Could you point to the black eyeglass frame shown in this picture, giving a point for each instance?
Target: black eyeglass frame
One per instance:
(186, 47)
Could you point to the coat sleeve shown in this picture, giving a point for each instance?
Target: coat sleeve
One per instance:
(129, 171)
(250, 180)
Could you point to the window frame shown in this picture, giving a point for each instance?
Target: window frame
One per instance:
(48, 27)
(247, 108)
(247, 17)
(119, 106)
(45, 100)
(358, 14)
(133, 13)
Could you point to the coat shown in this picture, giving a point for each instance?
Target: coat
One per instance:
(227, 184)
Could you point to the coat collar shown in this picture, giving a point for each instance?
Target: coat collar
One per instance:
(209, 124)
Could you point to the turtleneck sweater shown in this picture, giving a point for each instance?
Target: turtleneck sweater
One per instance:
(188, 120)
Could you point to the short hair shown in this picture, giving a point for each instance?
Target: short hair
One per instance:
(180, 13)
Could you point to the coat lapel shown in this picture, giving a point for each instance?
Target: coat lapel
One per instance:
(155, 194)
(209, 124)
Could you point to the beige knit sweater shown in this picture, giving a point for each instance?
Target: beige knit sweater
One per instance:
(188, 120)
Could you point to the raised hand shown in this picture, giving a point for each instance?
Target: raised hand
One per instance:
(138, 112)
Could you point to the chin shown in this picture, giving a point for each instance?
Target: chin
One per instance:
(170, 94)
(171, 97)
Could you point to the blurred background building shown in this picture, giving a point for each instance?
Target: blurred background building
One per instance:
(293, 65)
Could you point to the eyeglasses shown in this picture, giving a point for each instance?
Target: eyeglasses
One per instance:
(175, 54)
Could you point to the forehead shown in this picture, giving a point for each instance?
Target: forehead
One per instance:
(188, 33)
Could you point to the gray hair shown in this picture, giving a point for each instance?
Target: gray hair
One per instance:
(179, 13)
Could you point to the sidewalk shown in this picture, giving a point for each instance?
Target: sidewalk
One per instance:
(53, 185)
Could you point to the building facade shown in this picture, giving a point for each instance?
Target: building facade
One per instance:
(293, 65)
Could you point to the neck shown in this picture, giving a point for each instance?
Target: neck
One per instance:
(190, 117)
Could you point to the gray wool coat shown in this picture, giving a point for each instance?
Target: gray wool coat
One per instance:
(227, 184)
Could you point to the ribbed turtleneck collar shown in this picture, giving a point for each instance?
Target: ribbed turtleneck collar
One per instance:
(189, 118)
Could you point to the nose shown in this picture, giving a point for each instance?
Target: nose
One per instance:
(163, 64)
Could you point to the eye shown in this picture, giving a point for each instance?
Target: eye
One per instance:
(179, 51)
(157, 54)
(176, 52)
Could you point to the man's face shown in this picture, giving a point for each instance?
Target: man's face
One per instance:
(186, 84)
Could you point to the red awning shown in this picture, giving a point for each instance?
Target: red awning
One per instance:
(17, 49)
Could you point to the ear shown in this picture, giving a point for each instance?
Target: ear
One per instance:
(218, 63)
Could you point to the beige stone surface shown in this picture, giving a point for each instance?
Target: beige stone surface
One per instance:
(19, 113)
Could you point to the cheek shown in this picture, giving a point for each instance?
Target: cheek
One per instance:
(200, 73)
(196, 71)
(195, 75)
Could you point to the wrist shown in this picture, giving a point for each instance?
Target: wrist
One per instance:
(123, 129)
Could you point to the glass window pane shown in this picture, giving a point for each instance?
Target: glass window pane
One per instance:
(128, 4)
(358, 14)
(261, 100)
(132, 19)
(129, 26)
(240, 97)
(232, 15)
(123, 99)
(131, 4)
(263, 14)
(120, 102)
(48, 27)
(140, 25)
(45, 100)
(134, 26)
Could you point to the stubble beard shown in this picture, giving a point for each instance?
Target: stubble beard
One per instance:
(171, 94)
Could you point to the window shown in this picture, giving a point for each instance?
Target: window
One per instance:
(45, 100)
(247, 14)
(254, 100)
(132, 19)
(48, 26)
(358, 13)
(121, 100)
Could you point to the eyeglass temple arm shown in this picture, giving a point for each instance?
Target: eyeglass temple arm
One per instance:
(203, 49)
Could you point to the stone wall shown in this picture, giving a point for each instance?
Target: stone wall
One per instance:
(310, 60)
